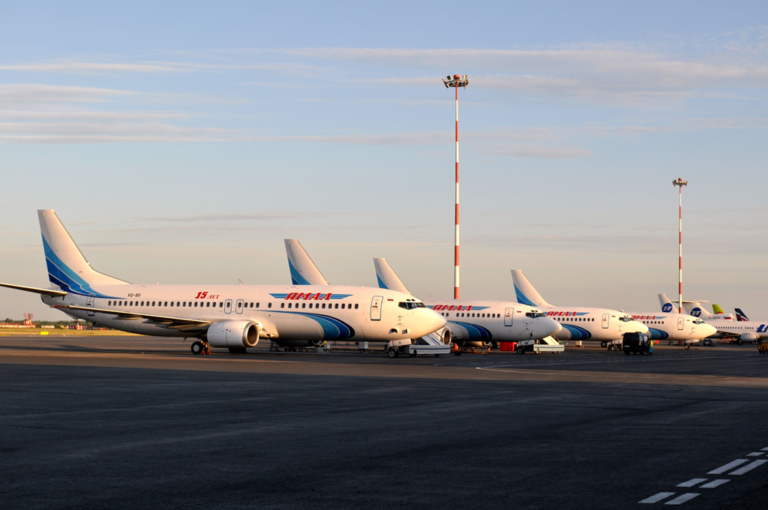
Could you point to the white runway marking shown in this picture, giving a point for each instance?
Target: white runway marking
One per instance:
(765, 449)
(749, 467)
(683, 498)
(714, 483)
(657, 497)
(755, 454)
(692, 482)
(730, 465)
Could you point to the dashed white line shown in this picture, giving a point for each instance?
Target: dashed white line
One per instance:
(714, 483)
(692, 482)
(755, 454)
(765, 449)
(682, 498)
(749, 467)
(657, 497)
(730, 465)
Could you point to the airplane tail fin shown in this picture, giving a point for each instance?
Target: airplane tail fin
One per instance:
(694, 308)
(666, 305)
(717, 309)
(741, 316)
(303, 269)
(67, 267)
(525, 292)
(387, 278)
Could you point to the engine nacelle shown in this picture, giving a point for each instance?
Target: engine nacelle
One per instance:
(233, 334)
(750, 337)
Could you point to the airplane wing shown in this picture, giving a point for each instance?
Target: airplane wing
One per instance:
(180, 323)
(36, 290)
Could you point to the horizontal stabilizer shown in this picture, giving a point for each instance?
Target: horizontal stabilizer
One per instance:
(303, 269)
(387, 278)
(36, 290)
(525, 292)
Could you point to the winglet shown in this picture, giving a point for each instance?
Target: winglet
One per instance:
(525, 292)
(303, 269)
(387, 278)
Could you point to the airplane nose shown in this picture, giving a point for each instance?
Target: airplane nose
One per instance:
(551, 327)
(432, 321)
(708, 330)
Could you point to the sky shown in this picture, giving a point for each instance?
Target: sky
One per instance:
(181, 142)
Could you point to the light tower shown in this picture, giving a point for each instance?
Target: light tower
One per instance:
(680, 183)
(456, 81)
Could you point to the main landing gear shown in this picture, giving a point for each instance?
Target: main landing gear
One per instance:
(201, 348)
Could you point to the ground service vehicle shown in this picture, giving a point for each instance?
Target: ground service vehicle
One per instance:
(636, 343)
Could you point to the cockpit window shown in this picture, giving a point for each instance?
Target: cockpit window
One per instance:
(410, 305)
(698, 321)
(535, 315)
(626, 318)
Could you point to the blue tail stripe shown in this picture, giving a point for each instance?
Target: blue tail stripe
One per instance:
(381, 283)
(61, 275)
(657, 334)
(296, 278)
(521, 297)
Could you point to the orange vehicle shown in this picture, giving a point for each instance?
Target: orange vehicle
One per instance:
(762, 346)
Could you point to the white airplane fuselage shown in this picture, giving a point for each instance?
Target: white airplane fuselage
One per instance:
(592, 323)
(673, 326)
(285, 312)
(493, 321)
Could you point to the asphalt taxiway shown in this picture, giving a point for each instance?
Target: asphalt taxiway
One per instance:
(126, 422)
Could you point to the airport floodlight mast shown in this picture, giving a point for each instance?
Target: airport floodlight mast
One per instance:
(456, 81)
(680, 183)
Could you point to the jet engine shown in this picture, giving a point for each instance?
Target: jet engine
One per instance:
(749, 337)
(237, 334)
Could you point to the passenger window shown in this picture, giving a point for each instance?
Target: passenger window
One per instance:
(303, 305)
(269, 305)
(337, 306)
(289, 305)
(185, 303)
(282, 305)
(342, 306)
(355, 306)
(323, 305)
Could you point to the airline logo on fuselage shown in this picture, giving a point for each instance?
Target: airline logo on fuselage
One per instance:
(566, 314)
(763, 328)
(457, 308)
(310, 296)
(648, 318)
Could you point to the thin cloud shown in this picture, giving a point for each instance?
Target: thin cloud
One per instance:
(35, 94)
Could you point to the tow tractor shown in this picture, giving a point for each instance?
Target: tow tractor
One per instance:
(762, 346)
(547, 344)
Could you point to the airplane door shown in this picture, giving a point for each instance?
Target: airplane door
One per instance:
(606, 319)
(680, 323)
(509, 314)
(239, 306)
(228, 306)
(89, 303)
(376, 308)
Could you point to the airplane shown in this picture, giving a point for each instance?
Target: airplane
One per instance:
(693, 308)
(741, 316)
(579, 323)
(234, 317)
(477, 323)
(738, 332)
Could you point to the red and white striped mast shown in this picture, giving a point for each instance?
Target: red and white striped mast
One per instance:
(456, 81)
(680, 183)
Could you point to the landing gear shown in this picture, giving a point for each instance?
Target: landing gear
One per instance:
(237, 350)
(392, 353)
(520, 350)
(603, 344)
(200, 348)
(687, 346)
